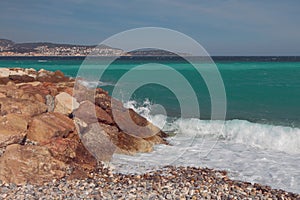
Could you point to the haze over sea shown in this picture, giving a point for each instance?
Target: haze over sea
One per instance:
(260, 141)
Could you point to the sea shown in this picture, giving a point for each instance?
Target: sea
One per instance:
(257, 140)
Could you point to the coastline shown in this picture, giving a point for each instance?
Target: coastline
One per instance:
(195, 182)
(167, 183)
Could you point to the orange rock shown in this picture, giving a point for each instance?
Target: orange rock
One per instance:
(90, 113)
(133, 124)
(63, 149)
(8, 136)
(65, 103)
(104, 140)
(21, 106)
(98, 142)
(49, 125)
(69, 90)
(53, 77)
(70, 150)
(16, 121)
(29, 164)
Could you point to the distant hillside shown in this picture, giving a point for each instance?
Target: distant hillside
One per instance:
(155, 52)
(8, 47)
(31, 46)
(6, 43)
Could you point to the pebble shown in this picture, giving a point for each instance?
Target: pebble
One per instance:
(166, 183)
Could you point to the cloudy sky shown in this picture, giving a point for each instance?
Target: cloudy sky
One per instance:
(224, 27)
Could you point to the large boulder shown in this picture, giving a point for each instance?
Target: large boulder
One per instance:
(34, 92)
(29, 164)
(133, 124)
(91, 113)
(17, 75)
(98, 142)
(48, 76)
(8, 88)
(127, 144)
(65, 103)
(21, 106)
(49, 125)
(71, 150)
(6, 72)
(103, 140)
(12, 129)
(21, 78)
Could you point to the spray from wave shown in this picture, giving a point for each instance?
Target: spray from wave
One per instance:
(94, 84)
(263, 136)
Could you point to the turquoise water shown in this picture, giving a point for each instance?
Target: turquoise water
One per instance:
(264, 92)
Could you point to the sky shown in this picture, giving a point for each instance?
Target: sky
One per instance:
(222, 27)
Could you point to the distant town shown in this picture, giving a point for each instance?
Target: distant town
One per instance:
(10, 48)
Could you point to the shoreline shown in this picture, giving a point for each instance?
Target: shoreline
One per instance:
(168, 182)
(215, 58)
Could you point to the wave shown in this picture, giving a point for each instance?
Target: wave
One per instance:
(94, 84)
(263, 136)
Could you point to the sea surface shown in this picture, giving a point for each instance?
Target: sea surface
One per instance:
(259, 140)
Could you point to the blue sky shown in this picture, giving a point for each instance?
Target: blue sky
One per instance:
(227, 27)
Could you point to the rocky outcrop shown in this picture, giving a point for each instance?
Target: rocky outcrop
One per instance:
(51, 127)
(19, 75)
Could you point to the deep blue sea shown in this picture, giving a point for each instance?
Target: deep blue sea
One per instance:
(260, 139)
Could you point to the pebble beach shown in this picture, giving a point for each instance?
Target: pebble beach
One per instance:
(167, 183)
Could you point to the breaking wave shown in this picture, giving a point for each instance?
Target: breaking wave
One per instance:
(263, 136)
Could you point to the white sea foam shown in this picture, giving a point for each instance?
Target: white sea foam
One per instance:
(252, 152)
(278, 138)
(93, 84)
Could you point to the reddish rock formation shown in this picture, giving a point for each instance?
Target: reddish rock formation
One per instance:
(38, 115)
